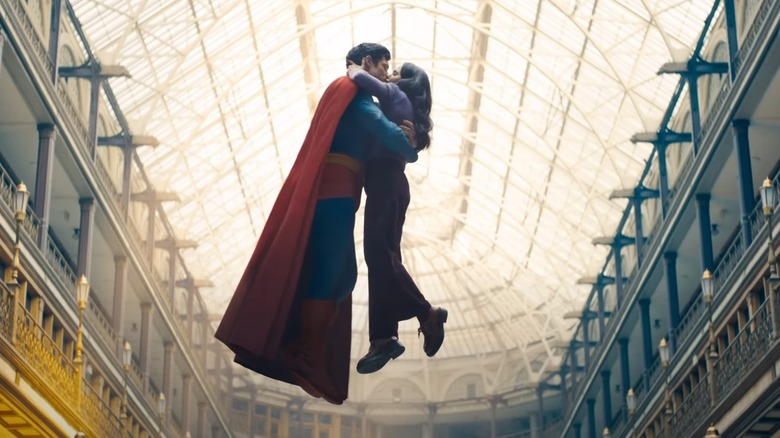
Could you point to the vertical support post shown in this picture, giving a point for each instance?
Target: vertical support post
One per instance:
(639, 239)
(169, 349)
(493, 403)
(172, 275)
(625, 370)
(574, 365)
(693, 94)
(670, 271)
(95, 83)
(607, 396)
(120, 285)
(201, 431)
(127, 168)
(600, 297)
(190, 310)
(43, 178)
(564, 388)
(146, 331)
(540, 402)
(586, 341)
(85, 236)
(2, 44)
(431, 415)
(647, 335)
(150, 221)
(204, 335)
(533, 424)
(731, 35)
(712, 372)
(747, 201)
(771, 295)
(663, 177)
(54, 38)
(186, 394)
(591, 408)
(617, 252)
(705, 232)
(363, 420)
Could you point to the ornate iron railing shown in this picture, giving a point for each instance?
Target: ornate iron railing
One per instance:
(61, 266)
(44, 356)
(6, 319)
(728, 262)
(692, 315)
(97, 414)
(99, 322)
(697, 404)
(748, 346)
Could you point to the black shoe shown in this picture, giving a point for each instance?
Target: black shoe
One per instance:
(379, 353)
(433, 330)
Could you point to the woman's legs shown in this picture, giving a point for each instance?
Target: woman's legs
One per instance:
(393, 294)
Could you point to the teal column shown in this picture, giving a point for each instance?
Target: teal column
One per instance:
(86, 225)
(43, 180)
(591, 408)
(747, 200)
(670, 272)
(54, 37)
(731, 35)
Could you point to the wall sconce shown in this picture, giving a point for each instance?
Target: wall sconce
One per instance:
(631, 401)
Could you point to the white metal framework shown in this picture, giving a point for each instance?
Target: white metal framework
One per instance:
(534, 104)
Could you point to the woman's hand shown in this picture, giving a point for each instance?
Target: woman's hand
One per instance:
(352, 67)
(408, 128)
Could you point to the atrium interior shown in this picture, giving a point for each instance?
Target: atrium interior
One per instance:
(597, 210)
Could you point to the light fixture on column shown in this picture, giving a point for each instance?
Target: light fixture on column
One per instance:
(769, 202)
(20, 202)
(708, 295)
(606, 433)
(663, 352)
(712, 432)
(707, 287)
(82, 294)
(21, 195)
(768, 197)
(631, 401)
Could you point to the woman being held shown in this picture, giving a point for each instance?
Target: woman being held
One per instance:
(392, 294)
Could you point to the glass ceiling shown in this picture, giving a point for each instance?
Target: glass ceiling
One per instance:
(534, 103)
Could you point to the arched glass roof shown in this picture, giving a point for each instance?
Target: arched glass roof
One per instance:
(534, 105)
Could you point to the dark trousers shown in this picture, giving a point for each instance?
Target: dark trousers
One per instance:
(392, 294)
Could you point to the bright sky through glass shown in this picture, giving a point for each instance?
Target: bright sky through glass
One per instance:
(534, 105)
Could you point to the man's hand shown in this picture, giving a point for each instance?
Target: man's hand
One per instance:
(408, 128)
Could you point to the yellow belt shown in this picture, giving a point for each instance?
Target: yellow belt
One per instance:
(346, 161)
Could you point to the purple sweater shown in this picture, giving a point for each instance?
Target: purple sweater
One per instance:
(393, 102)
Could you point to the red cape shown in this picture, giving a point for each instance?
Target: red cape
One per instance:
(258, 319)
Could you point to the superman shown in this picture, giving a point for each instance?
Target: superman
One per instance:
(290, 315)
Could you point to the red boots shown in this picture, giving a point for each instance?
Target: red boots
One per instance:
(307, 357)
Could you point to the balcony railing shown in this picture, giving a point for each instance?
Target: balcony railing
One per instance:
(685, 175)
(735, 364)
(97, 414)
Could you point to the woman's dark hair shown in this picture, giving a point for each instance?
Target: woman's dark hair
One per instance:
(415, 84)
